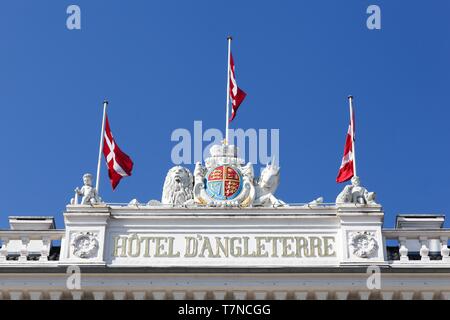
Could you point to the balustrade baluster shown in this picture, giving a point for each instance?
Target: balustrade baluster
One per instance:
(24, 249)
(424, 250)
(45, 251)
(403, 249)
(3, 249)
(445, 251)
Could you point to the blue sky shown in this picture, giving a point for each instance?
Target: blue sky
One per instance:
(162, 65)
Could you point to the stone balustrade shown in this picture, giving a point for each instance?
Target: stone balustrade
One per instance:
(23, 246)
(419, 246)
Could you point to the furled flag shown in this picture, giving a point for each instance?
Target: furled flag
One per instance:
(119, 163)
(346, 171)
(236, 94)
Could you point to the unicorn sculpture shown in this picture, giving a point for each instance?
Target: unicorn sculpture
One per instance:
(266, 185)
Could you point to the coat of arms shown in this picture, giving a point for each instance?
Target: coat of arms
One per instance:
(223, 181)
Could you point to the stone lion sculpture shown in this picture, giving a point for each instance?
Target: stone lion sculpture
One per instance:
(178, 186)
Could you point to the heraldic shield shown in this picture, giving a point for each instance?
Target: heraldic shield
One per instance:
(223, 182)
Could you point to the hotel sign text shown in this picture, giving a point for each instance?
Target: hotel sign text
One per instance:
(223, 246)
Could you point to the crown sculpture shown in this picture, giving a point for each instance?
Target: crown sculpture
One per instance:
(224, 181)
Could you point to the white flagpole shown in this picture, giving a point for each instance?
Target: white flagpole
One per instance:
(97, 180)
(228, 90)
(350, 101)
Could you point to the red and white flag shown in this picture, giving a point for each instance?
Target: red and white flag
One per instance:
(346, 171)
(237, 95)
(119, 163)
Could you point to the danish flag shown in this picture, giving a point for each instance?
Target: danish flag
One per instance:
(237, 95)
(119, 163)
(346, 171)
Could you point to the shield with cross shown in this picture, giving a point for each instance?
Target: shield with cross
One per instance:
(224, 182)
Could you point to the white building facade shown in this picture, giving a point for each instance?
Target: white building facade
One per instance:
(220, 233)
(292, 252)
